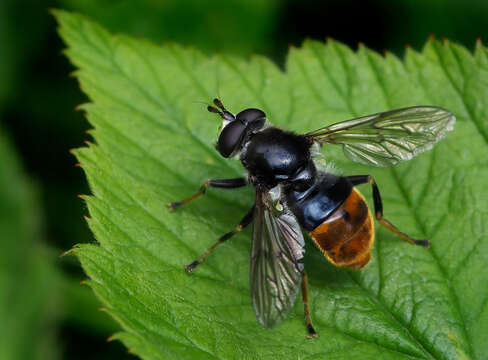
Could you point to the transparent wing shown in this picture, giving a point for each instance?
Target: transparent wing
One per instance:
(276, 274)
(386, 138)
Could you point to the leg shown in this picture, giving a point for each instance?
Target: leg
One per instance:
(246, 220)
(218, 183)
(311, 331)
(378, 209)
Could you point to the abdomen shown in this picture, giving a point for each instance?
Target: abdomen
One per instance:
(347, 234)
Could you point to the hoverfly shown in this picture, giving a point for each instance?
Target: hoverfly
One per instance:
(293, 194)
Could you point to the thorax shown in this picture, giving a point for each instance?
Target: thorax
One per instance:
(273, 155)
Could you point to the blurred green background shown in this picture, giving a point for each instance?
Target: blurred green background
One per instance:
(44, 312)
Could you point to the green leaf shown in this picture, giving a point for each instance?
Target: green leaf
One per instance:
(28, 303)
(154, 145)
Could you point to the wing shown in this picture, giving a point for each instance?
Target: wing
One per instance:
(386, 138)
(276, 274)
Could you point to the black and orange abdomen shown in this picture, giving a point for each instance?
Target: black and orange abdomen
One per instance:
(347, 234)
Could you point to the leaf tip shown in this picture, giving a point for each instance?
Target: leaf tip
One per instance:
(53, 12)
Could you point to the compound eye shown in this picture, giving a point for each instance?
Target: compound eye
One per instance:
(231, 138)
(249, 116)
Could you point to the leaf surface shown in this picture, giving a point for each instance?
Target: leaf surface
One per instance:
(154, 144)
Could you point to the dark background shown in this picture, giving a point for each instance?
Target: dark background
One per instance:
(38, 97)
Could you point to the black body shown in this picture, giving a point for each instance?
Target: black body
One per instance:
(315, 204)
(273, 156)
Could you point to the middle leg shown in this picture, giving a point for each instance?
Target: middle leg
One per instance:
(311, 331)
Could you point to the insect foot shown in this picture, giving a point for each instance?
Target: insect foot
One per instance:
(312, 334)
(189, 268)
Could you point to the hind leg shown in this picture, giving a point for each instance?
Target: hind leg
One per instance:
(378, 209)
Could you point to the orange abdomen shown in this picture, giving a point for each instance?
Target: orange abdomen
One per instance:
(347, 235)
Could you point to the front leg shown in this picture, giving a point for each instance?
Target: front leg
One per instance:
(217, 183)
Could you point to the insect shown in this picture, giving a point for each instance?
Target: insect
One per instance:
(293, 193)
